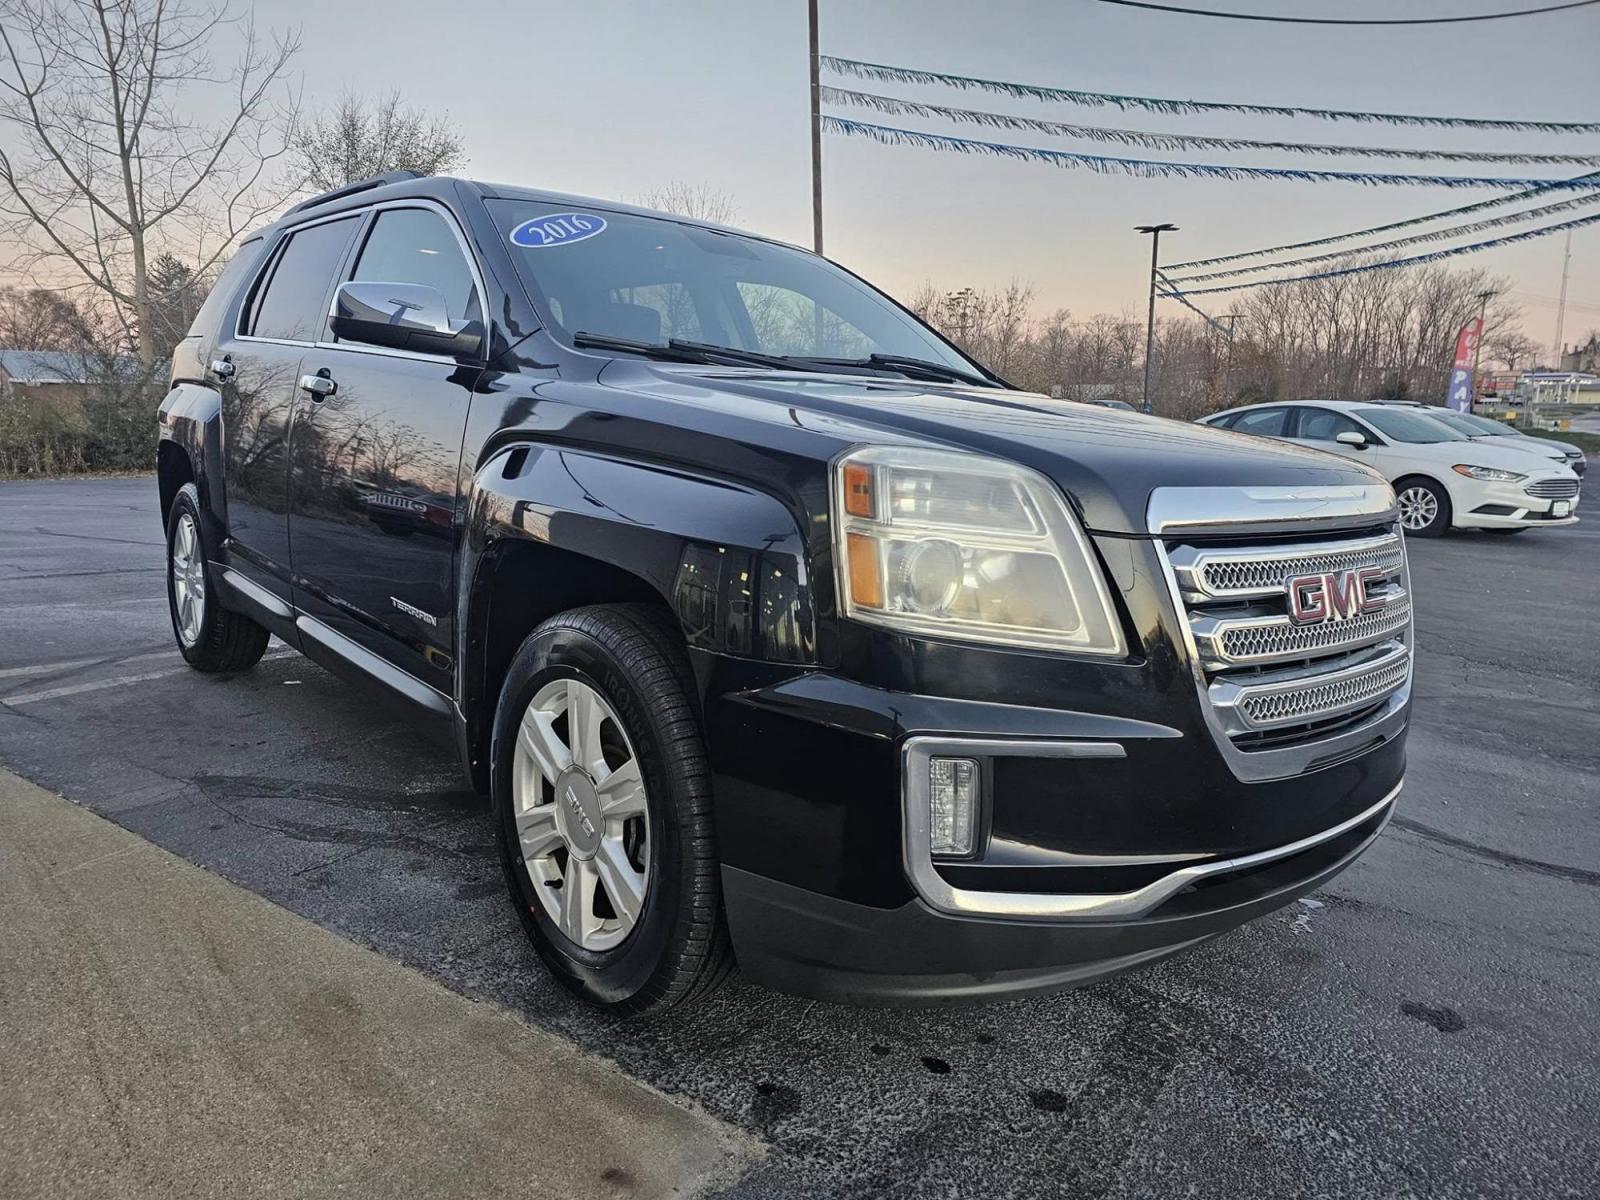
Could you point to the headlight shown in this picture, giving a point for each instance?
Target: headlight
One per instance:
(1487, 474)
(961, 546)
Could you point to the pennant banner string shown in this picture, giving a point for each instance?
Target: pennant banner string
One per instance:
(895, 106)
(1414, 260)
(1589, 180)
(890, 135)
(1184, 300)
(1438, 235)
(886, 73)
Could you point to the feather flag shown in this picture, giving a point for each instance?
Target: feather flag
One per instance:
(895, 106)
(1414, 260)
(890, 135)
(885, 73)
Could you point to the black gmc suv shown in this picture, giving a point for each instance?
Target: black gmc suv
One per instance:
(776, 628)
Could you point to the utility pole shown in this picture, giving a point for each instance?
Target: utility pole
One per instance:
(1477, 345)
(1155, 232)
(1227, 356)
(816, 133)
(1561, 306)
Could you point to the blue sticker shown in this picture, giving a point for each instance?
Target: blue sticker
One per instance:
(557, 229)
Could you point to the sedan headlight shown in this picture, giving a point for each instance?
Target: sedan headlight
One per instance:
(1487, 474)
(966, 547)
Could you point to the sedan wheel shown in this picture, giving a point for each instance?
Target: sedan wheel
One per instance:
(1424, 511)
(581, 814)
(188, 581)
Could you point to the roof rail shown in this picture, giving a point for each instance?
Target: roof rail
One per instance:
(360, 185)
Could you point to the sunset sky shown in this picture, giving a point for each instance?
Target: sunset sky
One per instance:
(609, 99)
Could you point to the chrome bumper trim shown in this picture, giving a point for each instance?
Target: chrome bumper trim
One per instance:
(1051, 906)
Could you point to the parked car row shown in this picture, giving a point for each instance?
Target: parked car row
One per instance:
(1449, 470)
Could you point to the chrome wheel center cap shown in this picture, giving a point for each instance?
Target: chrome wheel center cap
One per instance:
(578, 812)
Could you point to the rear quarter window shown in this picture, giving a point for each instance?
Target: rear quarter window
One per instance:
(217, 299)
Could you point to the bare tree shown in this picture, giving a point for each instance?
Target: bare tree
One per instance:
(1511, 347)
(37, 319)
(108, 158)
(698, 200)
(359, 137)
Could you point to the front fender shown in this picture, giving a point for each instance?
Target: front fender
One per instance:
(191, 419)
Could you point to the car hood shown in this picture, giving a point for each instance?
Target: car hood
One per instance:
(1526, 445)
(1482, 452)
(1106, 461)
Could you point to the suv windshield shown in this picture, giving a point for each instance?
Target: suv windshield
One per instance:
(654, 280)
(1401, 426)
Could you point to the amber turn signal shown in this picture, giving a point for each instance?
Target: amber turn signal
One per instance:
(866, 576)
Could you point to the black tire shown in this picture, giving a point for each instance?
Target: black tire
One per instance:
(678, 949)
(225, 641)
(1440, 522)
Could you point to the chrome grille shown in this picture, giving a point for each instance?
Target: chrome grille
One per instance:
(1226, 574)
(1283, 704)
(1263, 672)
(1249, 640)
(1553, 489)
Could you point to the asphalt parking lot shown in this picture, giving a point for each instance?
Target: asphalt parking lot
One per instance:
(1423, 1027)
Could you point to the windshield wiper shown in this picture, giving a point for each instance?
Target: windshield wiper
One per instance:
(915, 368)
(679, 350)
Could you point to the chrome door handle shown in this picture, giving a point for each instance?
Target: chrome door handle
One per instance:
(320, 386)
(222, 368)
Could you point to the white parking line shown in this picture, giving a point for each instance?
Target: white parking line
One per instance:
(96, 685)
(74, 664)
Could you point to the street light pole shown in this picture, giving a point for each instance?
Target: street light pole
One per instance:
(816, 133)
(1155, 232)
(1477, 345)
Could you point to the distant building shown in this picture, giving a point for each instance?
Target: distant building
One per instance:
(53, 376)
(1585, 357)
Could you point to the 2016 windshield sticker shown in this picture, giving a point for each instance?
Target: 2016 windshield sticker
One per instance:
(557, 229)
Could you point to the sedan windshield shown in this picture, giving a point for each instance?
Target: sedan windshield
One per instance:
(1403, 425)
(1462, 423)
(651, 281)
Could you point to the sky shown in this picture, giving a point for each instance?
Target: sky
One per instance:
(610, 99)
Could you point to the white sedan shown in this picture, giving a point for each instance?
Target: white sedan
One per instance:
(1443, 479)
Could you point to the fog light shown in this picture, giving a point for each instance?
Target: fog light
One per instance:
(952, 804)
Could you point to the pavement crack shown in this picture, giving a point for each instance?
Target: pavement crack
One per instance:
(1503, 857)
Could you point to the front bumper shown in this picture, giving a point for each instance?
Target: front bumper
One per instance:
(813, 945)
(1508, 505)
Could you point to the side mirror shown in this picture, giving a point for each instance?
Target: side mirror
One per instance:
(1351, 438)
(402, 316)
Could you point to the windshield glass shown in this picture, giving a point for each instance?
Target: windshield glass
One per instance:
(1401, 425)
(648, 279)
(1461, 423)
(1486, 426)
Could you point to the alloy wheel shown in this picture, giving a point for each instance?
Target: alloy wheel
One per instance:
(581, 814)
(188, 581)
(1419, 508)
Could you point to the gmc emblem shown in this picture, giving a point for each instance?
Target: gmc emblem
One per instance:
(1332, 596)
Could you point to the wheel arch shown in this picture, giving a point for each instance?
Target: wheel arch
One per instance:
(549, 529)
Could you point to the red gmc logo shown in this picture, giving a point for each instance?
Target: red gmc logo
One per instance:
(1332, 596)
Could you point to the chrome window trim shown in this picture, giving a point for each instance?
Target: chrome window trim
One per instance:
(1188, 511)
(362, 214)
(939, 894)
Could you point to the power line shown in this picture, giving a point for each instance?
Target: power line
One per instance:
(886, 73)
(1480, 206)
(891, 135)
(1233, 16)
(1438, 235)
(896, 106)
(1526, 235)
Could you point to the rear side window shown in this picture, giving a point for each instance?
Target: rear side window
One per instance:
(1325, 425)
(415, 245)
(1264, 422)
(292, 304)
(210, 314)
